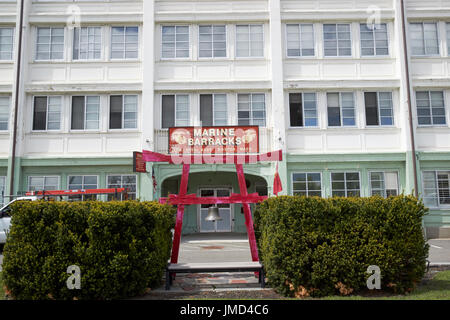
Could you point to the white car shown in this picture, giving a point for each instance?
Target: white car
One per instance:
(5, 219)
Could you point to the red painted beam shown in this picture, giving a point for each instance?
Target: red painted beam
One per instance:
(150, 156)
(194, 199)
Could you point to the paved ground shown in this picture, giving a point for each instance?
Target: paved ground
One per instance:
(439, 251)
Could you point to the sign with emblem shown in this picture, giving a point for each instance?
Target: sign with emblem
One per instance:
(214, 140)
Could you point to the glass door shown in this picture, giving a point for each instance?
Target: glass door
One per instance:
(225, 211)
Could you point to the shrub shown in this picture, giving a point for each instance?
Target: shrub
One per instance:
(315, 247)
(122, 248)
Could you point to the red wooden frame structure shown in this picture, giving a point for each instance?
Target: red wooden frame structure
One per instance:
(182, 199)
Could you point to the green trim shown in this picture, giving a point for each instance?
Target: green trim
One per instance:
(325, 158)
(29, 162)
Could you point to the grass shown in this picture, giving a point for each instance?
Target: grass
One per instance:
(2, 292)
(436, 289)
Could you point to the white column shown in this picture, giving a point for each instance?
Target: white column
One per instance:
(278, 106)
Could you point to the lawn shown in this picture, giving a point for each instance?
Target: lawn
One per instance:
(2, 293)
(436, 289)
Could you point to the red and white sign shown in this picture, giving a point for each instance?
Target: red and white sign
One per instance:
(214, 140)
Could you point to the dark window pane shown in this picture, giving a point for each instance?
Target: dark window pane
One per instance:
(77, 113)
(168, 111)
(334, 117)
(371, 108)
(296, 109)
(40, 113)
(115, 112)
(206, 109)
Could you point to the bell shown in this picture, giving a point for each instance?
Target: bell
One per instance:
(213, 214)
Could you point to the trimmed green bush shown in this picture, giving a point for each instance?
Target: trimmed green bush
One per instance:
(122, 248)
(318, 247)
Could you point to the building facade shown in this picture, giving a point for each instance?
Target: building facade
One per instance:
(331, 83)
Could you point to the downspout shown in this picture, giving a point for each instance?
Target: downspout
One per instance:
(16, 103)
(408, 83)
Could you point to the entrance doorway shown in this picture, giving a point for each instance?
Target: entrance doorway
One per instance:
(225, 211)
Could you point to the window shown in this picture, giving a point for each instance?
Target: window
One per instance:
(249, 41)
(6, 43)
(436, 188)
(47, 113)
(123, 112)
(424, 39)
(341, 109)
(337, 40)
(43, 183)
(379, 108)
(213, 110)
(50, 43)
(374, 40)
(448, 38)
(175, 110)
(85, 113)
(307, 184)
(251, 109)
(4, 112)
(345, 184)
(175, 42)
(87, 43)
(124, 42)
(384, 184)
(2, 190)
(212, 41)
(123, 181)
(303, 109)
(82, 183)
(300, 40)
(430, 107)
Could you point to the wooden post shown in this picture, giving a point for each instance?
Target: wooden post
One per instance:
(247, 213)
(180, 213)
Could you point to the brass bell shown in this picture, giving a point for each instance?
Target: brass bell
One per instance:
(213, 214)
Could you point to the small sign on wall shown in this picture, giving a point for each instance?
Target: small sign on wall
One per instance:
(139, 165)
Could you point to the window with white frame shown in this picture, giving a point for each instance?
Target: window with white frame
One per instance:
(436, 188)
(212, 41)
(50, 43)
(252, 109)
(384, 184)
(43, 183)
(82, 183)
(300, 40)
(345, 184)
(175, 42)
(175, 110)
(2, 190)
(85, 113)
(303, 109)
(213, 110)
(87, 43)
(123, 112)
(379, 111)
(6, 44)
(122, 181)
(47, 113)
(125, 42)
(337, 40)
(249, 40)
(5, 107)
(374, 39)
(307, 184)
(430, 107)
(424, 38)
(341, 109)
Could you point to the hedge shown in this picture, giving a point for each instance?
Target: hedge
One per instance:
(318, 247)
(121, 248)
